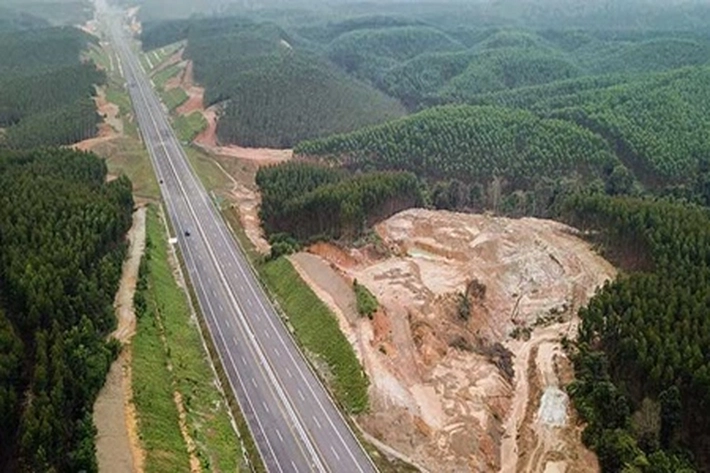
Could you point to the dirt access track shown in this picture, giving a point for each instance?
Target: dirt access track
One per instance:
(117, 445)
(451, 387)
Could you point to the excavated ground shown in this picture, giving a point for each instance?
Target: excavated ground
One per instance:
(467, 390)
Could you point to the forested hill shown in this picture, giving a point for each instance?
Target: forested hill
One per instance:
(492, 153)
(286, 75)
(303, 202)
(13, 20)
(61, 249)
(273, 91)
(55, 12)
(643, 364)
(657, 126)
(46, 91)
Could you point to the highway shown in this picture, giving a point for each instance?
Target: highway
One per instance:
(292, 419)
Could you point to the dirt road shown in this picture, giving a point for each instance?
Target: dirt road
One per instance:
(117, 445)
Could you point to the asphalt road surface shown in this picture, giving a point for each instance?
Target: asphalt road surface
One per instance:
(295, 424)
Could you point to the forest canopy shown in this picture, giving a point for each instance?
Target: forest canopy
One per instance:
(46, 90)
(306, 202)
(62, 233)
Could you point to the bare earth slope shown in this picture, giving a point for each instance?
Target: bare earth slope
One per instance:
(466, 395)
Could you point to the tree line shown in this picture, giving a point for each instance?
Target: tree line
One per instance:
(62, 245)
(302, 202)
(643, 363)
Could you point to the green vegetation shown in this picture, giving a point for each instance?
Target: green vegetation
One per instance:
(366, 302)
(164, 75)
(56, 12)
(14, 20)
(117, 94)
(292, 96)
(366, 52)
(187, 127)
(211, 174)
(507, 68)
(62, 229)
(167, 335)
(45, 90)
(311, 202)
(157, 56)
(127, 156)
(276, 93)
(644, 338)
(173, 98)
(318, 332)
(99, 56)
(492, 153)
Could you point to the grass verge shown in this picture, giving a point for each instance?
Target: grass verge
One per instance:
(173, 98)
(161, 77)
(168, 336)
(158, 419)
(99, 56)
(189, 126)
(207, 170)
(317, 329)
(126, 155)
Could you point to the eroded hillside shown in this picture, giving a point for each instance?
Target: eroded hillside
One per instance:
(464, 354)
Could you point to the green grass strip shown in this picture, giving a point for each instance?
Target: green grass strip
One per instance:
(208, 422)
(160, 78)
(187, 127)
(173, 98)
(318, 331)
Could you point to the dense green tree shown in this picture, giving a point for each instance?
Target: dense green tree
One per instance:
(493, 152)
(46, 91)
(646, 335)
(309, 201)
(61, 250)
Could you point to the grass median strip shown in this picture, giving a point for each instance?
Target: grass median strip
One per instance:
(170, 359)
(317, 329)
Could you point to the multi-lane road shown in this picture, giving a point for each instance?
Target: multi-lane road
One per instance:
(295, 424)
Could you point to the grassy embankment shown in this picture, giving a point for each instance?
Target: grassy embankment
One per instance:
(318, 332)
(189, 126)
(167, 335)
(161, 77)
(173, 98)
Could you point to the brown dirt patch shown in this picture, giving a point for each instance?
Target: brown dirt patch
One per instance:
(195, 97)
(117, 441)
(109, 128)
(459, 395)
